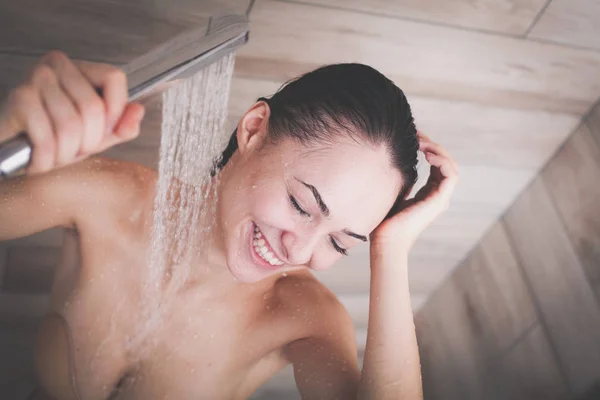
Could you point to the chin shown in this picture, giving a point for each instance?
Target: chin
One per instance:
(245, 262)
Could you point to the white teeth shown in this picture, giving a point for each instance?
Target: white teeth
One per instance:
(262, 250)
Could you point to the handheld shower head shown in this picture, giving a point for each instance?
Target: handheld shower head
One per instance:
(176, 59)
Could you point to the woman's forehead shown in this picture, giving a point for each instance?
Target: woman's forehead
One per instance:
(347, 175)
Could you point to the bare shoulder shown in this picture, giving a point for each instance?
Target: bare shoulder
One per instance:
(100, 186)
(317, 307)
(69, 196)
(107, 179)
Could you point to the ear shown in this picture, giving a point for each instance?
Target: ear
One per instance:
(252, 129)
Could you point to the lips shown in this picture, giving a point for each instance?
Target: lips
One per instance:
(263, 251)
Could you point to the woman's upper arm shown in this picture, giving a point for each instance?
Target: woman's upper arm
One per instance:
(325, 363)
(31, 204)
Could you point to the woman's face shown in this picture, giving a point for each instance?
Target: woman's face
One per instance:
(285, 206)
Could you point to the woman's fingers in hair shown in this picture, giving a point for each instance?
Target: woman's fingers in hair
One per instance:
(449, 174)
(426, 145)
(444, 164)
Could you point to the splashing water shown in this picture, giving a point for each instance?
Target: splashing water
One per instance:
(194, 113)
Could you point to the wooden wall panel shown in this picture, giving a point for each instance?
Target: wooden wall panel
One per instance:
(566, 301)
(13, 70)
(111, 31)
(480, 135)
(528, 371)
(573, 180)
(593, 122)
(492, 278)
(479, 312)
(30, 269)
(17, 377)
(511, 17)
(439, 370)
(3, 262)
(289, 39)
(571, 22)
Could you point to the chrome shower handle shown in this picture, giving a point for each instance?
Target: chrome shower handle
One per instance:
(14, 155)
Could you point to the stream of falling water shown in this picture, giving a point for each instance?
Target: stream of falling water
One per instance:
(194, 112)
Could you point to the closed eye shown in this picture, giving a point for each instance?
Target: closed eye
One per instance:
(297, 207)
(337, 247)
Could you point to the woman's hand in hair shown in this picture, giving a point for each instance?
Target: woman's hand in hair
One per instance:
(64, 116)
(402, 229)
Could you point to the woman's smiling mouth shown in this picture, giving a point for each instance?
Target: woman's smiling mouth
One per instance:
(263, 249)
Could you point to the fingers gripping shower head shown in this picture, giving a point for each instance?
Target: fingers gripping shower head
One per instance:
(173, 60)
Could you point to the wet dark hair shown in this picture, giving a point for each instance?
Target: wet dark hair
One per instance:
(344, 99)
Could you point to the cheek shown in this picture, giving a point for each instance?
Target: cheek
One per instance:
(324, 257)
(271, 207)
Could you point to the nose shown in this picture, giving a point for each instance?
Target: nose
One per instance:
(299, 245)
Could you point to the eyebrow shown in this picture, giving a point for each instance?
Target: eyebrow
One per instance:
(355, 235)
(325, 209)
(318, 198)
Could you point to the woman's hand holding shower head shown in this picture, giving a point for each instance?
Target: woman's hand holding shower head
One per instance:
(66, 119)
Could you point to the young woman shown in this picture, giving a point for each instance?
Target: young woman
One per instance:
(323, 165)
